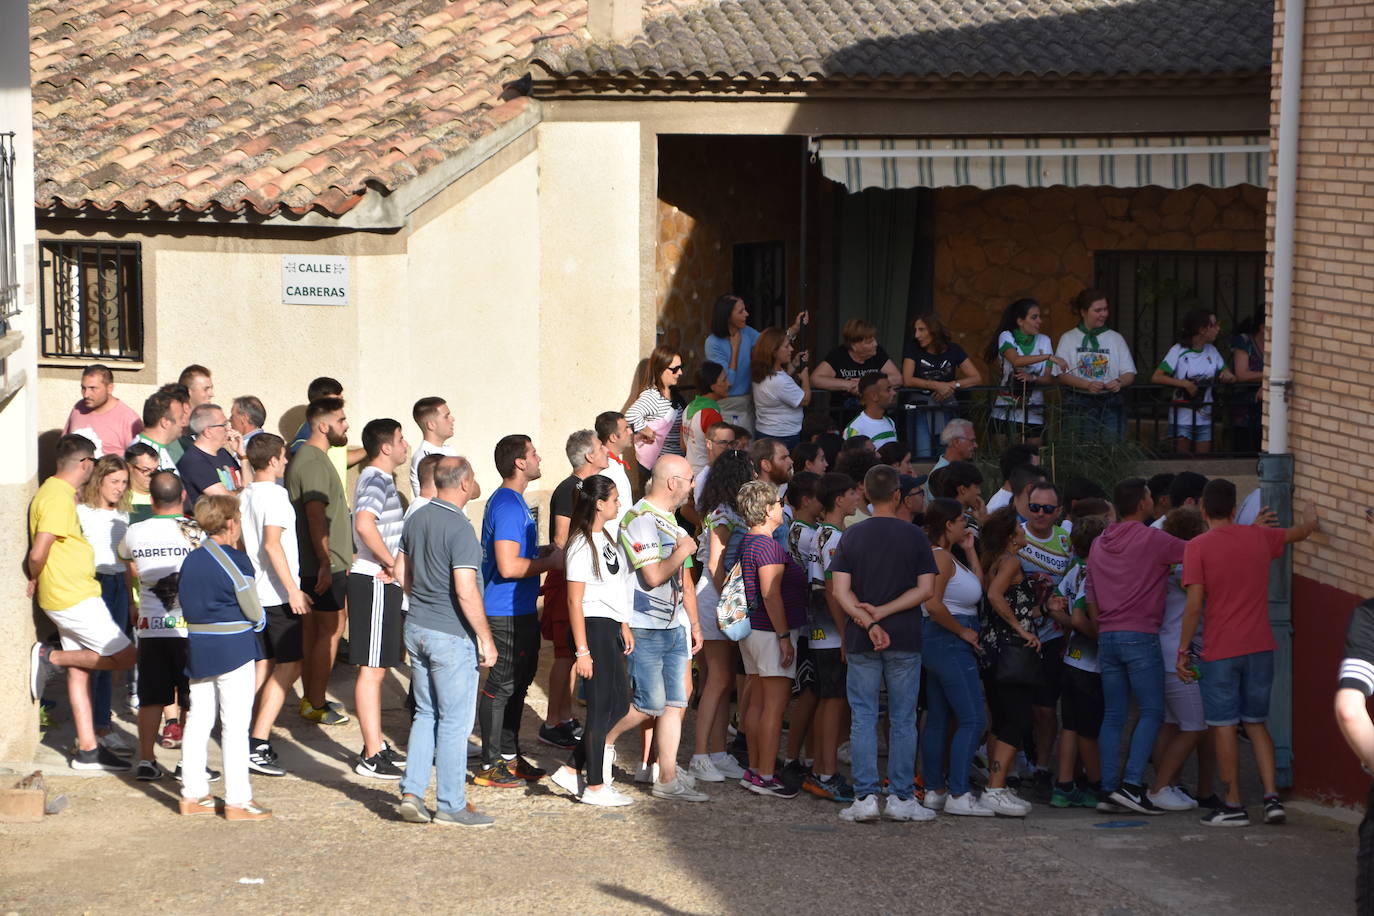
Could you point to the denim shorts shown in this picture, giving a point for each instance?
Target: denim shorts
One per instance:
(1237, 689)
(658, 669)
(1194, 432)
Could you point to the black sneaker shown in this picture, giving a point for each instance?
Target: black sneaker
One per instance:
(211, 774)
(559, 736)
(377, 766)
(100, 758)
(1133, 798)
(1042, 786)
(262, 759)
(397, 759)
(576, 726)
(1226, 816)
(149, 771)
(1210, 803)
(793, 775)
(1273, 810)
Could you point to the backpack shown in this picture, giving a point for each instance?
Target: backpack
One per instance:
(732, 610)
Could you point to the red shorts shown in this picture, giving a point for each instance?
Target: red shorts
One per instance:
(553, 625)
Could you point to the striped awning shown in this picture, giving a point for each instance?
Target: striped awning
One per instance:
(1042, 162)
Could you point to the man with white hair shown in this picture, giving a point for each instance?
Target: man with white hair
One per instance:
(959, 440)
(210, 465)
(659, 549)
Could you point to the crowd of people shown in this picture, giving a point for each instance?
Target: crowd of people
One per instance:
(707, 555)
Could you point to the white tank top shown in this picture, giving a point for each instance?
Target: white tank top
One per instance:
(963, 590)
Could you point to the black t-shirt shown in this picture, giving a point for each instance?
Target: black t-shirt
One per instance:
(1357, 669)
(200, 471)
(562, 501)
(884, 558)
(935, 367)
(846, 368)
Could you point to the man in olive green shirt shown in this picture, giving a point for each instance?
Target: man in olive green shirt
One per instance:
(324, 532)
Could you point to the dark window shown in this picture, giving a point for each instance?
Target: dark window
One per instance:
(759, 277)
(1150, 291)
(92, 300)
(9, 260)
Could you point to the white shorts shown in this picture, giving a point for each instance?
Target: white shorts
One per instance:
(707, 599)
(88, 625)
(1183, 704)
(761, 651)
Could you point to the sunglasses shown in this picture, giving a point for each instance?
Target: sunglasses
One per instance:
(724, 442)
(677, 368)
(1043, 507)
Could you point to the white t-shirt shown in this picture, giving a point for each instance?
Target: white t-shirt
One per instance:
(1008, 405)
(266, 503)
(822, 632)
(415, 505)
(1082, 651)
(881, 431)
(1110, 360)
(616, 472)
(608, 587)
(377, 496)
(157, 547)
(999, 499)
(1195, 366)
(1247, 513)
(1171, 626)
(649, 535)
(426, 448)
(104, 528)
(777, 406)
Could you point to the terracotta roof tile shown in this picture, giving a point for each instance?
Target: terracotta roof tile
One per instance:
(268, 104)
(816, 40)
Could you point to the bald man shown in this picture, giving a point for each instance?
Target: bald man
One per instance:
(663, 620)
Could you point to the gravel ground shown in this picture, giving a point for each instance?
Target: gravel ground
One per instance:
(336, 845)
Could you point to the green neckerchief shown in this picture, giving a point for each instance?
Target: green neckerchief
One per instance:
(700, 402)
(1024, 342)
(1090, 337)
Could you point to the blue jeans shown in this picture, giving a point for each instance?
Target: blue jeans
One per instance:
(443, 676)
(1131, 666)
(952, 686)
(924, 426)
(115, 594)
(868, 671)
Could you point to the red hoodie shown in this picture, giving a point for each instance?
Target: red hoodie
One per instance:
(1128, 568)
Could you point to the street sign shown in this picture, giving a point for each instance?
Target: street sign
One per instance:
(314, 279)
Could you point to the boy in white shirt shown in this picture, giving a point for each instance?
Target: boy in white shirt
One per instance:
(876, 395)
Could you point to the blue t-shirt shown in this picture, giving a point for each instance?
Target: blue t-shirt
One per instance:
(206, 595)
(718, 351)
(508, 518)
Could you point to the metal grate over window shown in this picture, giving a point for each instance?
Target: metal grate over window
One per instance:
(91, 295)
(9, 257)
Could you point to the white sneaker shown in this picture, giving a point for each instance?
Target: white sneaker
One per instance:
(606, 797)
(567, 781)
(678, 790)
(704, 769)
(1005, 802)
(966, 805)
(726, 765)
(647, 773)
(1169, 800)
(907, 809)
(936, 801)
(862, 811)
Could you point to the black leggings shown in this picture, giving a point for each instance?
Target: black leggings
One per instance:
(501, 702)
(1010, 706)
(607, 692)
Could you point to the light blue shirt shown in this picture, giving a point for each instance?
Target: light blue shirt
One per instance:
(718, 351)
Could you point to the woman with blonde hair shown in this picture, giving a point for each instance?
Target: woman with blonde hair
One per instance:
(104, 515)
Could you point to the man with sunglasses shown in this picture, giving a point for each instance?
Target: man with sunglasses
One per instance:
(61, 571)
(209, 465)
(1044, 560)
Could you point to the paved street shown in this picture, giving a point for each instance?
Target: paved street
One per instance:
(336, 846)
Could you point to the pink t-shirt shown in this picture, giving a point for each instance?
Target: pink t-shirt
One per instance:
(1128, 569)
(1232, 564)
(111, 431)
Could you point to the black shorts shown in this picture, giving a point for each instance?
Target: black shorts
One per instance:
(374, 622)
(1083, 704)
(1052, 664)
(162, 671)
(283, 639)
(334, 597)
(831, 674)
(806, 668)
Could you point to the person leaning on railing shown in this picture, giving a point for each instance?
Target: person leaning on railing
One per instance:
(1099, 367)
(1026, 361)
(940, 368)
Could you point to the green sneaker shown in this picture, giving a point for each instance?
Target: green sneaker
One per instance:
(1086, 797)
(1061, 798)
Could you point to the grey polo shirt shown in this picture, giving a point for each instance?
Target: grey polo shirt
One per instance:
(436, 540)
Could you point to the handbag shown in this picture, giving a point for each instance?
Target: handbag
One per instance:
(732, 610)
(1018, 665)
(245, 590)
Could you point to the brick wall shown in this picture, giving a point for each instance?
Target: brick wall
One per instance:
(1330, 415)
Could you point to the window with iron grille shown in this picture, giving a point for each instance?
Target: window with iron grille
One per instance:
(91, 295)
(9, 255)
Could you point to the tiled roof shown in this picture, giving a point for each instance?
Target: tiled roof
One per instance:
(268, 105)
(817, 40)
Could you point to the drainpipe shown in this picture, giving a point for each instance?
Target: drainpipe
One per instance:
(1276, 467)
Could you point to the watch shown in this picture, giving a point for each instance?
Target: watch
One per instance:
(785, 634)
(956, 385)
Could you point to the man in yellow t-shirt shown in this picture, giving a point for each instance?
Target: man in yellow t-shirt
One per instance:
(61, 570)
